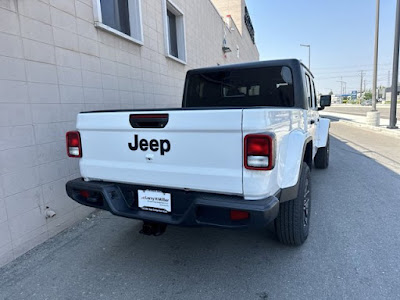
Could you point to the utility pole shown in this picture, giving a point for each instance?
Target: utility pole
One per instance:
(361, 83)
(374, 80)
(395, 78)
(341, 88)
(365, 85)
(388, 84)
(341, 85)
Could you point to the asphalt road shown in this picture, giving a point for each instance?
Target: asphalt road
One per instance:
(360, 110)
(353, 251)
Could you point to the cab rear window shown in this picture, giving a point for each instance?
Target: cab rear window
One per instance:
(268, 86)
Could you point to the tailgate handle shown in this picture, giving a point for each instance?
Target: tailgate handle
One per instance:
(148, 121)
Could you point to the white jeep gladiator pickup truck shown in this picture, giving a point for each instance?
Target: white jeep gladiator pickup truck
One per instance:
(237, 154)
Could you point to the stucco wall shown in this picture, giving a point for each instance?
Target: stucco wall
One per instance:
(53, 64)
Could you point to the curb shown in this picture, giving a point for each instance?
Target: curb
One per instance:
(388, 132)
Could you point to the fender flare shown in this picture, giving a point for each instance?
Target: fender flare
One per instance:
(322, 132)
(290, 163)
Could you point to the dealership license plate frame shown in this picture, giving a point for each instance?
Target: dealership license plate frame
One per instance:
(154, 201)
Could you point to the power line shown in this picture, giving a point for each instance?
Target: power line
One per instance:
(351, 66)
(345, 76)
(341, 85)
(347, 71)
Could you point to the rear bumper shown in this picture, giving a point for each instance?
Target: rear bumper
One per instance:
(188, 208)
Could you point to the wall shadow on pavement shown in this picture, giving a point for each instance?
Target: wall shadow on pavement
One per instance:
(334, 119)
(107, 256)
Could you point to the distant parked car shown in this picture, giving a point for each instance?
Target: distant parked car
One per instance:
(367, 103)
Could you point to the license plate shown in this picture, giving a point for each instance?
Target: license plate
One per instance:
(154, 201)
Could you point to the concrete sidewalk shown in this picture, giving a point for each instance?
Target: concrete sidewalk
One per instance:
(360, 121)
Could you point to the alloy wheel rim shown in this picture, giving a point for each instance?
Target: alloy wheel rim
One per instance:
(327, 150)
(306, 204)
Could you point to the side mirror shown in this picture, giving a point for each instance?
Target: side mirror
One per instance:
(325, 101)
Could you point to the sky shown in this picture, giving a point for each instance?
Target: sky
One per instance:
(341, 34)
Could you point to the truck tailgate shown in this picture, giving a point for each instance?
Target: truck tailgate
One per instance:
(204, 152)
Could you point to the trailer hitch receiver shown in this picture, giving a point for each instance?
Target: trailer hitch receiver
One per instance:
(150, 228)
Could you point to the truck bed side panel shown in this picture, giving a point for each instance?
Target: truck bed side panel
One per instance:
(280, 122)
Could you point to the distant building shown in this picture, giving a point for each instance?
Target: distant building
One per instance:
(388, 93)
(381, 93)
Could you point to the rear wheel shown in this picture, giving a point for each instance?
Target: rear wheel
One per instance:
(321, 160)
(293, 221)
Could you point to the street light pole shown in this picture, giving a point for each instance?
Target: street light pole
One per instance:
(309, 54)
(374, 82)
(373, 116)
(395, 76)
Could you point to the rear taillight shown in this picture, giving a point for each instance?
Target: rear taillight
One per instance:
(91, 198)
(237, 215)
(259, 152)
(74, 147)
(84, 194)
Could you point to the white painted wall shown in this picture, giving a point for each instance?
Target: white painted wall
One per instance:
(55, 63)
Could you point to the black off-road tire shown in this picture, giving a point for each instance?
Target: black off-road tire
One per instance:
(321, 159)
(293, 221)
